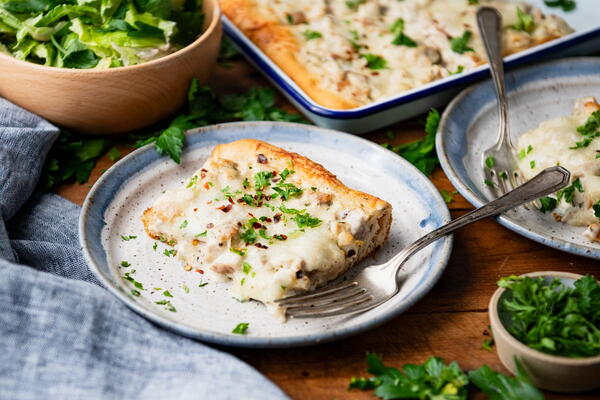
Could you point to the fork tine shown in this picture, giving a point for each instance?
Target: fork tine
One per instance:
(308, 311)
(339, 295)
(317, 293)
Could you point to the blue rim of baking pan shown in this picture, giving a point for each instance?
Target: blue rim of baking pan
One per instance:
(455, 170)
(280, 78)
(91, 224)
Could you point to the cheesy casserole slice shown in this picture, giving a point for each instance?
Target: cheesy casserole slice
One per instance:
(574, 143)
(348, 53)
(271, 221)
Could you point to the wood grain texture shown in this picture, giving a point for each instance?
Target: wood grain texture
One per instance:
(115, 100)
(449, 322)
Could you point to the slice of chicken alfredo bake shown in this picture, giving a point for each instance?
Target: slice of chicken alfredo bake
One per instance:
(273, 222)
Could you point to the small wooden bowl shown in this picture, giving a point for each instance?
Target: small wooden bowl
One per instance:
(550, 372)
(115, 100)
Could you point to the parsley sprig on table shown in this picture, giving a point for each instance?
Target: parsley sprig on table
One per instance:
(73, 157)
(421, 153)
(553, 318)
(436, 380)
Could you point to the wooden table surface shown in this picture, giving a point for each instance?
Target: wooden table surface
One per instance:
(448, 322)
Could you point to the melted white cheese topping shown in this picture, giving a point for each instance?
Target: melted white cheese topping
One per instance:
(347, 31)
(551, 144)
(209, 231)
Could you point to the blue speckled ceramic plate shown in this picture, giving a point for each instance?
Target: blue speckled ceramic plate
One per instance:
(469, 126)
(208, 313)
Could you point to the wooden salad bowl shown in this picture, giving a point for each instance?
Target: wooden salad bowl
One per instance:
(114, 100)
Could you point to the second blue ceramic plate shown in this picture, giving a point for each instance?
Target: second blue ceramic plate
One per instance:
(470, 125)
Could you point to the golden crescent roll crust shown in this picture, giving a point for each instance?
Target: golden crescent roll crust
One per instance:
(281, 46)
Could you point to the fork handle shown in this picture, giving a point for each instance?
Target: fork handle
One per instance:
(546, 182)
(489, 22)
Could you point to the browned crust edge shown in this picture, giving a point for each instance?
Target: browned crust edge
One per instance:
(281, 46)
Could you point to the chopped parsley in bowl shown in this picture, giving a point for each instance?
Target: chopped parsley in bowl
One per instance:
(86, 34)
(550, 322)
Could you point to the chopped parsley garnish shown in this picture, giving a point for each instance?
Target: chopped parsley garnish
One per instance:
(201, 234)
(113, 154)
(487, 344)
(568, 193)
(202, 284)
(128, 238)
(192, 181)
(170, 252)
(239, 252)
(532, 164)
(287, 191)
(489, 183)
(523, 152)
(246, 183)
(166, 293)
(473, 2)
(185, 288)
(400, 39)
(503, 174)
(248, 235)
(460, 45)
(305, 220)
(547, 204)
(135, 292)
(242, 281)
(261, 179)
(125, 264)
(263, 234)
(248, 199)
(459, 70)
(167, 304)
(246, 268)
(566, 5)
(553, 318)
(285, 173)
(183, 224)
(280, 237)
(310, 35)
(589, 131)
(596, 208)
(154, 246)
(374, 61)
(241, 328)
(448, 196)
(490, 162)
(135, 283)
(524, 23)
(353, 4)
(286, 210)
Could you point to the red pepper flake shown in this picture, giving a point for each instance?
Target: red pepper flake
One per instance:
(260, 246)
(230, 200)
(224, 208)
(239, 223)
(250, 214)
(256, 225)
(276, 179)
(267, 197)
(204, 170)
(261, 159)
(277, 217)
(206, 186)
(210, 225)
(195, 209)
(198, 270)
(202, 175)
(268, 219)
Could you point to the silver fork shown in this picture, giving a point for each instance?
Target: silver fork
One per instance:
(499, 161)
(376, 284)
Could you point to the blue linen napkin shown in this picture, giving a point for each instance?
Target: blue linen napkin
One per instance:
(63, 336)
